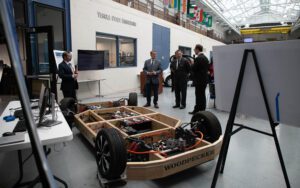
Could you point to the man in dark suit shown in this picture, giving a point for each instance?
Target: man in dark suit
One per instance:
(180, 68)
(152, 70)
(200, 70)
(68, 76)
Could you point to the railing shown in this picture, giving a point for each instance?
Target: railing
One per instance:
(149, 7)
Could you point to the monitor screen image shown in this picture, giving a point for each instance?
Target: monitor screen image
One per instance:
(248, 40)
(90, 60)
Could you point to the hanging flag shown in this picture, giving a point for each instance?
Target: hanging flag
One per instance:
(182, 6)
(198, 14)
(204, 18)
(209, 21)
(195, 13)
(201, 15)
(171, 5)
(175, 4)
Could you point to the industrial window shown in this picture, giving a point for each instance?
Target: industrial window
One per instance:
(126, 52)
(118, 51)
(108, 45)
(46, 15)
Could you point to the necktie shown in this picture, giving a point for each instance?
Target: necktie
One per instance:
(70, 65)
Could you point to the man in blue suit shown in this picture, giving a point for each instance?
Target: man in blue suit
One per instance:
(152, 70)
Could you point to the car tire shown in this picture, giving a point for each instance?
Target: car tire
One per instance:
(111, 154)
(208, 124)
(168, 81)
(133, 99)
(67, 103)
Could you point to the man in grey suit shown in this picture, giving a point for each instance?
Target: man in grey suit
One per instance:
(152, 70)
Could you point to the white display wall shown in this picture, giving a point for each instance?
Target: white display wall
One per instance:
(85, 22)
(279, 64)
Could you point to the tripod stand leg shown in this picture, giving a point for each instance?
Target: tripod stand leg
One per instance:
(230, 122)
(222, 155)
(61, 181)
(225, 151)
(286, 178)
(272, 124)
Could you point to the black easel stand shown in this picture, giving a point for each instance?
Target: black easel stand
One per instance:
(36, 180)
(230, 123)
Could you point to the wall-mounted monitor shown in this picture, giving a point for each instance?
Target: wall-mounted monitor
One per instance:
(90, 60)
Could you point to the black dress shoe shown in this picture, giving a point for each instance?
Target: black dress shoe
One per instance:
(147, 105)
(176, 106)
(182, 107)
(156, 106)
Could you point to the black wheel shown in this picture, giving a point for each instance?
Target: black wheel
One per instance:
(111, 154)
(168, 81)
(67, 103)
(208, 124)
(133, 99)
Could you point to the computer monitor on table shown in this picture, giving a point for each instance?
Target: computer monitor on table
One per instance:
(43, 104)
(42, 93)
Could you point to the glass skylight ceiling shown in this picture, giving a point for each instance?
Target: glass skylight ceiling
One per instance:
(244, 12)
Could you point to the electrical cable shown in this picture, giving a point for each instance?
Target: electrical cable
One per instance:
(132, 146)
(23, 162)
(197, 143)
(147, 152)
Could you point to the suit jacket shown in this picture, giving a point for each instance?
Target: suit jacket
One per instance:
(156, 67)
(65, 73)
(182, 71)
(200, 69)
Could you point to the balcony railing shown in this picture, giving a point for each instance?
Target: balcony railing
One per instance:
(157, 10)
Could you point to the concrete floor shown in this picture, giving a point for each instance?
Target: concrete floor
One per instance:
(252, 159)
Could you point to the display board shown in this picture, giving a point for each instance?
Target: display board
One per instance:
(59, 59)
(279, 64)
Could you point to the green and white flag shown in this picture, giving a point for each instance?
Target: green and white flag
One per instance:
(209, 21)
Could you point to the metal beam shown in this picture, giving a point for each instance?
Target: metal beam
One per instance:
(219, 14)
(6, 13)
